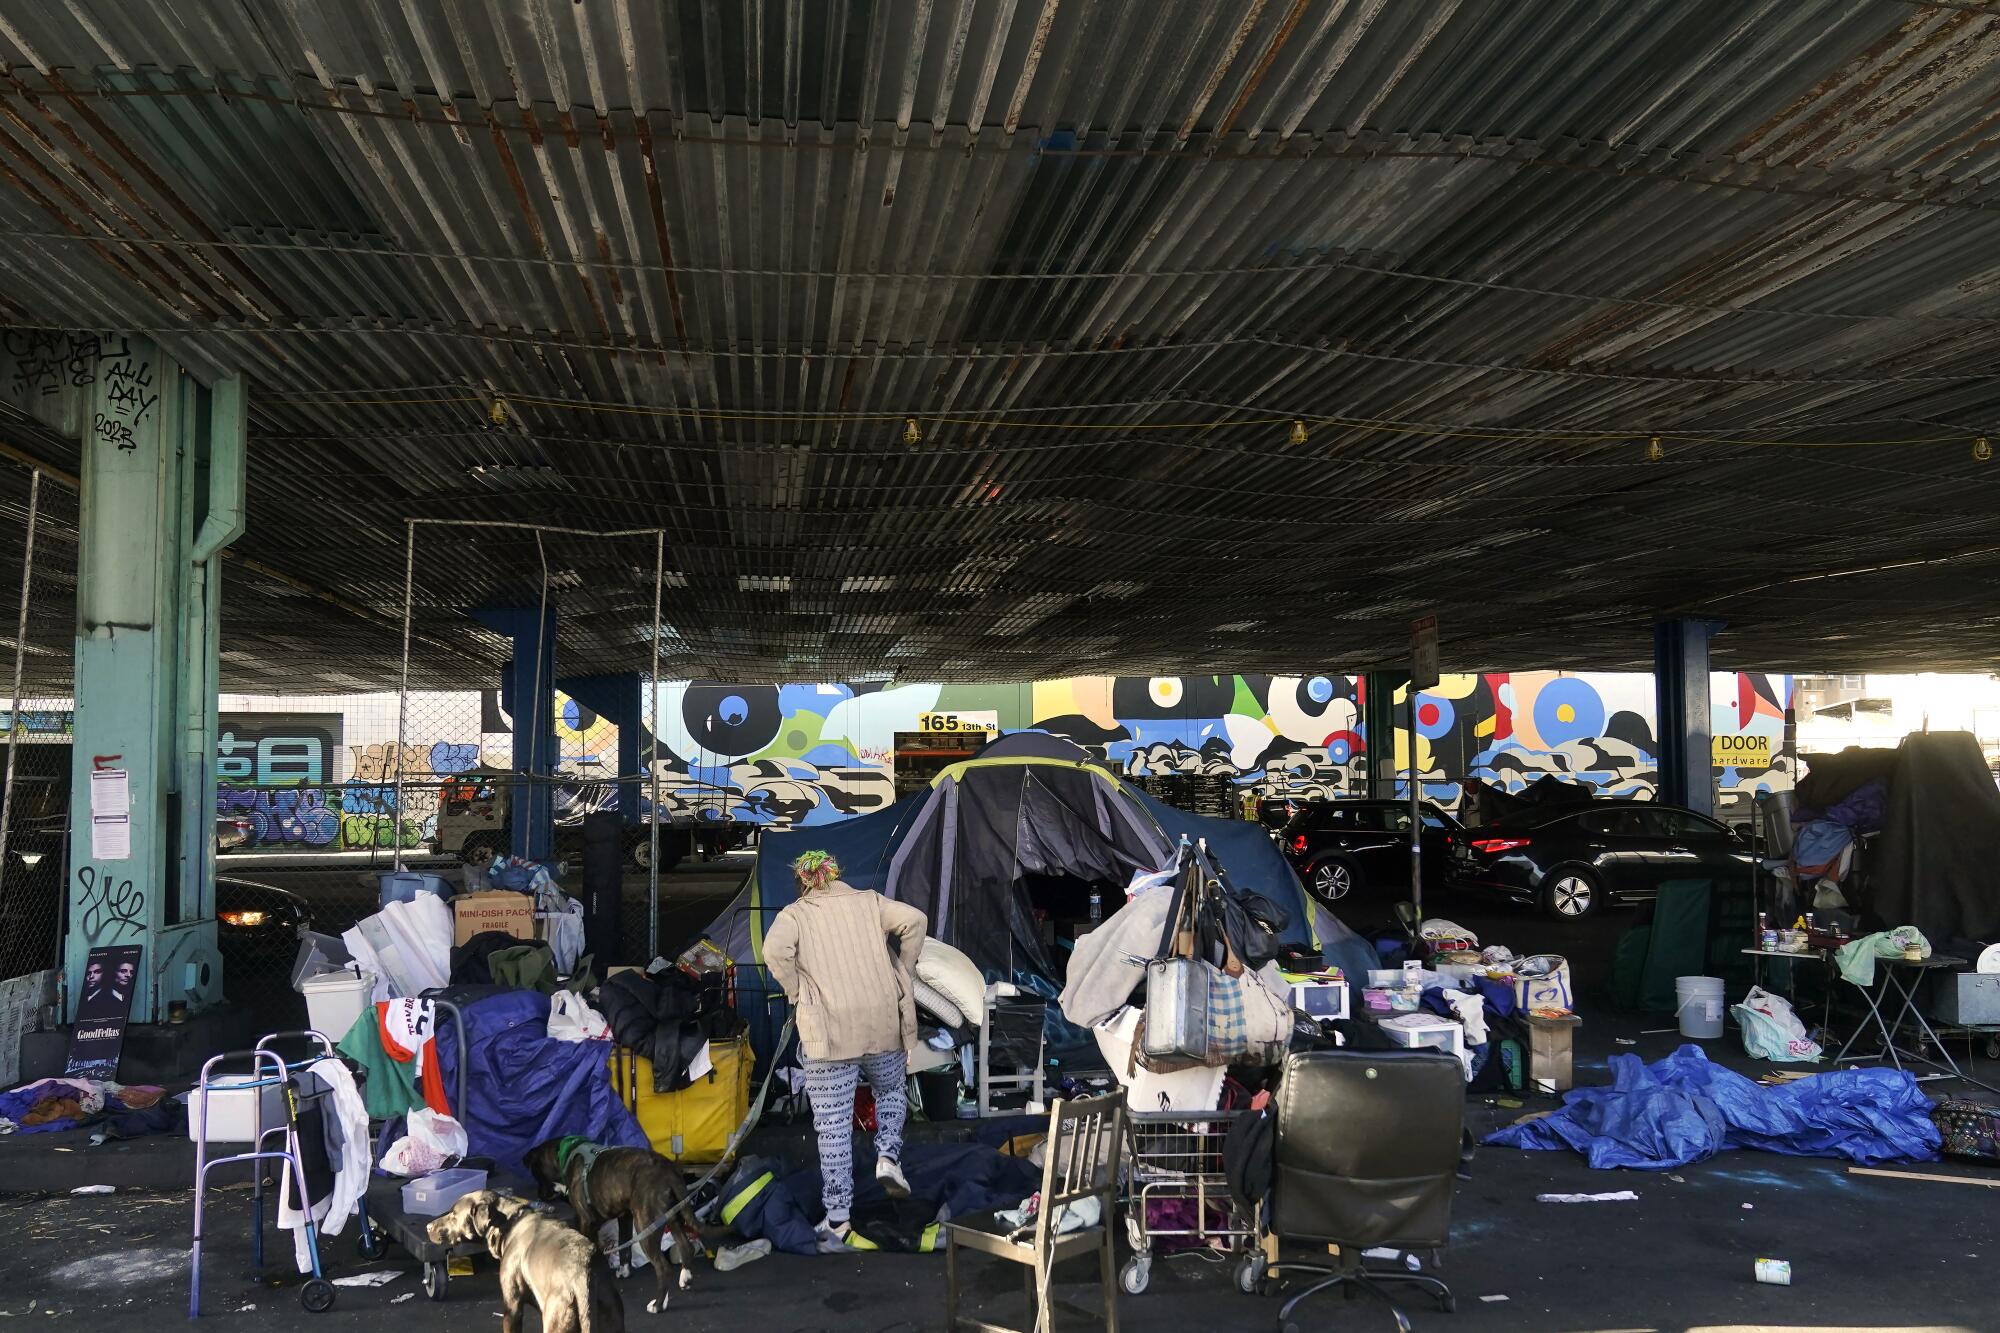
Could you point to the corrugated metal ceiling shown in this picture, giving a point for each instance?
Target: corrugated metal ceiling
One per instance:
(713, 254)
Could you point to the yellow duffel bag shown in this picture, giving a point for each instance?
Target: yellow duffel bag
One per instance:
(694, 1124)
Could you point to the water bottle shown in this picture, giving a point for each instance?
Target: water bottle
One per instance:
(1096, 905)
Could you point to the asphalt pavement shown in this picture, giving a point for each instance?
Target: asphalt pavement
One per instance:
(1867, 1253)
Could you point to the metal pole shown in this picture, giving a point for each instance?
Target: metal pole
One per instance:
(403, 686)
(20, 652)
(1416, 807)
(653, 766)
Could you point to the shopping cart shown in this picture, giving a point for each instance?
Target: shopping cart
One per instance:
(1176, 1190)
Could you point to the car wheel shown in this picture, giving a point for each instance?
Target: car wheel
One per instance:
(1333, 879)
(1571, 895)
(642, 852)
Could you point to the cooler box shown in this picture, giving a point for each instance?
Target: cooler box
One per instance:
(334, 1000)
(232, 1108)
(401, 886)
(694, 1124)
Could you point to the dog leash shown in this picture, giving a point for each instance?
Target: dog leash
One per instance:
(736, 1139)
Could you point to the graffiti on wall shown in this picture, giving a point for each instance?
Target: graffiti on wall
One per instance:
(281, 773)
(800, 755)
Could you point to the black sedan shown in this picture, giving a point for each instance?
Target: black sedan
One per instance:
(1572, 860)
(1338, 846)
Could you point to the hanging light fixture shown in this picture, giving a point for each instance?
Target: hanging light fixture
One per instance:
(911, 435)
(1298, 432)
(1982, 451)
(1655, 451)
(497, 413)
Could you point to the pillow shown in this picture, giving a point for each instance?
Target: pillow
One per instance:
(938, 1007)
(954, 977)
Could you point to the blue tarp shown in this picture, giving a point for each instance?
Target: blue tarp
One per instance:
(960, 1178)
(1684, 1109)
(523, 1087)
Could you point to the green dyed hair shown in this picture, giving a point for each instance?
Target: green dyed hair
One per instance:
(816, 870)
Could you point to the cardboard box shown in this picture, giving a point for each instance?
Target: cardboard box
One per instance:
(496, 909)
(1551, 1042)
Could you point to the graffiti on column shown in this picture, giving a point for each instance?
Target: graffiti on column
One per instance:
(110, 909)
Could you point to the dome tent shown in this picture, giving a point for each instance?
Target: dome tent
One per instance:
(1031, 815)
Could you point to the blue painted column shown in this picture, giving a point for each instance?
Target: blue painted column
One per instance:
(618, 699)
(162, 495)
(1680, 687)
(527, 692)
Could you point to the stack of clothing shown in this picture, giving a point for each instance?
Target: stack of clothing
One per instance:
(53, 1104)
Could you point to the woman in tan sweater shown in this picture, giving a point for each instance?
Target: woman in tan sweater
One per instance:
(845, 958)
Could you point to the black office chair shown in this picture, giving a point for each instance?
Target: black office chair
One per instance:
(1367, 1153)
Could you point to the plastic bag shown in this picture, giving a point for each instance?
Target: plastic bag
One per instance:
(1771, 1031)
(432, 1141)
(571, 1019)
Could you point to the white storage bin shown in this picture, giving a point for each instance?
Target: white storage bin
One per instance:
(232, 1108)
(335, 999)
(1425, 1030)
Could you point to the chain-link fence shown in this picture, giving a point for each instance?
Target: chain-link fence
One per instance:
(322, 794)
(37, 591)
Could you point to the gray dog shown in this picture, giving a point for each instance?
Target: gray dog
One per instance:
(540, 1259)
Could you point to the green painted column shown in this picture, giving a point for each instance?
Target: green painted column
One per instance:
(162, 495)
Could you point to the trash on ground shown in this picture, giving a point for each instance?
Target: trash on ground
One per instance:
(95, 1189)
(1775, 1272)
(379, 1277)
(1748, 1207)
(1622, 1041)
(1922, 1175)
(1678, 1180)
(1490, 1299)
(406, 1296)
(1616, 1196)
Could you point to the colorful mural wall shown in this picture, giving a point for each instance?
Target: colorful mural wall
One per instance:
(786, 755)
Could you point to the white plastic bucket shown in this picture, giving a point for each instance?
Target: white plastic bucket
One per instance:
(1698, 1004)
(335, 999)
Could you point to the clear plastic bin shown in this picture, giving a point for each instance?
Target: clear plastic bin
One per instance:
(434, 1194)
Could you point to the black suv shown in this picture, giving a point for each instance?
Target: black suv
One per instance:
(1570, 860)
(1338, 846)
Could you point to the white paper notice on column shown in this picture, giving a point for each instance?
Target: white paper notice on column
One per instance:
(110, 792)
(110, 837)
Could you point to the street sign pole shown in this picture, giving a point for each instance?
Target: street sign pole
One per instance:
(1423, 676)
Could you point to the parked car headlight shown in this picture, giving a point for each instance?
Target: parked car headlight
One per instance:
(244, 918)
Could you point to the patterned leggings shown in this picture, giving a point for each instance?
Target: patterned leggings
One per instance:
(830, 1087)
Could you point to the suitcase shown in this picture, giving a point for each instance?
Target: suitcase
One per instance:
(1176, 1010)
(694, 1124)
(1969, 1129)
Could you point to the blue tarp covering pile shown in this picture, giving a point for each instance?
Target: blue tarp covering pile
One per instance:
(523, 1086)
(1684, 1109)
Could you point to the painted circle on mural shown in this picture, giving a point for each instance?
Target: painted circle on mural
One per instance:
(1340, 746)
(731, 720)
(1568, 709)
(1435, 717)
(1315, 690)
(576, 717)
(1157, 697)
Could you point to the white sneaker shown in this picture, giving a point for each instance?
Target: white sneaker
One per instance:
(889, 1175)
